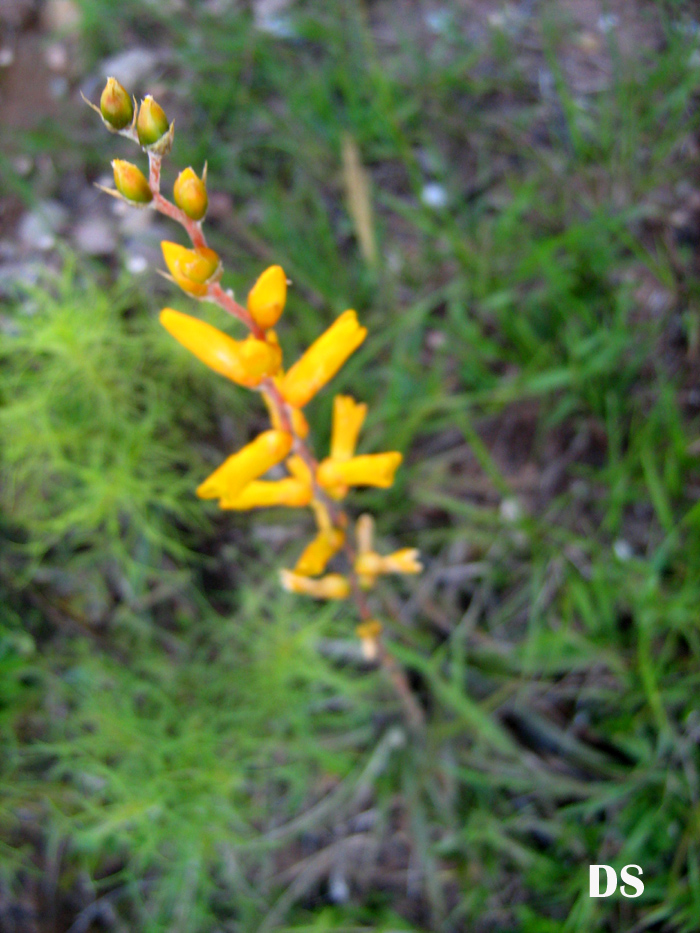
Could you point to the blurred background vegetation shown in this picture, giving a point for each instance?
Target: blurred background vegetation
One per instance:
(183, 746)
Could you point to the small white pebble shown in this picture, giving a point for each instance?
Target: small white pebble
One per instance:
(623, 550)
(434, 195)
(7, 56)
(510, 510)
(56, 56)
(435, 339)
(23, 165)
(438, 21)
(508, 19)
(338, 889)
(607, 22)
(136, 264)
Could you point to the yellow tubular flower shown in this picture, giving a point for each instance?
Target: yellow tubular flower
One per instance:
(323, 359)
(246, 362)
(318, 552)
(366, 470)
(267, 297)
(348, 418)
(322, 515)
(256, 458)
(332, 586)
(299, 470)
(193, 269)
(403, 561)
(261, 493)
(300, 425)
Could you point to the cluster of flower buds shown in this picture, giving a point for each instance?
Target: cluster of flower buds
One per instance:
(256, 362)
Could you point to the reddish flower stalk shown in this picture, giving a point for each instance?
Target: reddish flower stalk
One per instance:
(253, 363)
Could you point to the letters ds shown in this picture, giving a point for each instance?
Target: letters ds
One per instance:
(626, 878)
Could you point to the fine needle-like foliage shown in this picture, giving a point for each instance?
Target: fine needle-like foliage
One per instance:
(256, 363)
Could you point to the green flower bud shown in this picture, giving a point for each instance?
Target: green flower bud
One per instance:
(151, 123)
(190, 193)
(116, 106)
(131, 183)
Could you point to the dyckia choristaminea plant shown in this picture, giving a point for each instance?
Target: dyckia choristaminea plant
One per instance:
(256, 363)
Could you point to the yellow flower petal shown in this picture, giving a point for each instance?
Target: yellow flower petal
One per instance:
(193, 269)
(299, 470)
(323, 359)
(246, 362)
(403, 561)
(366, 470)
(255, 459)
(267, 297)
(368, 565)
(300, 425)
(318, 552)
(348, 418)
(322, 515)
(262, 493)
(332, 586)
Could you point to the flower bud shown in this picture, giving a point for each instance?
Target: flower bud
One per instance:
(131, 183)
(193, 269)
(151, 123)
(190, 193)
(267, 297)
(116, 107)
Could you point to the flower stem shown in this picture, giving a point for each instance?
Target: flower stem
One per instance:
(412, 709)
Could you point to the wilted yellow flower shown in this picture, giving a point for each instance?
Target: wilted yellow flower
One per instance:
(300, 425)
(261, 493)
(131, 183)
(318, 552)
(267, 297)
(404, 561)
(323, 359)
(255, 459)
(348, 418)
(116, 106)
(246, 362)
(369, 565)
(365, 470)
(332, 586)
(368, 632)
(151, 123)
(190, 193)
(193, 269)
